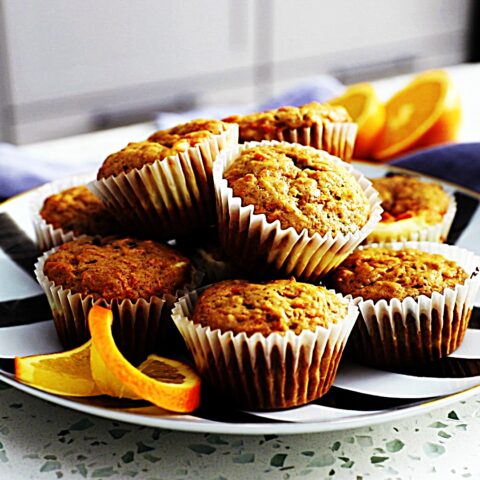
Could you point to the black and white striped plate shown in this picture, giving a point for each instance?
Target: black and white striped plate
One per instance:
(360, 395)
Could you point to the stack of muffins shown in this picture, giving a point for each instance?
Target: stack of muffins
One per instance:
(267, 207)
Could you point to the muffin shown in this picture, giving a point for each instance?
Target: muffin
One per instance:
(413, 209)
(415, 300)
(162, 187)
(286, 209)
(317, 125)
(138, 279)
(269, 345)
(70, 213)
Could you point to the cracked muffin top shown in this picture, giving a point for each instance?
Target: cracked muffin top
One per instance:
(79, 211)
(118, 268)
(264, 125)
(275, 306)
(406, 197)
(381, 273)
(302, 187)
(160, 145)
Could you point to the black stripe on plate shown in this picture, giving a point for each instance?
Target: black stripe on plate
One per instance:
(466, 208)
(338, 397)
(25, 311)
(17, 245)
(475, 319)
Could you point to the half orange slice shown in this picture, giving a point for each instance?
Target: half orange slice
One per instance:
(64, 373)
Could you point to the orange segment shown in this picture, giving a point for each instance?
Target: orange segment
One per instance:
(424, 113)
(367, 111)
(65, 373)
(167, 383)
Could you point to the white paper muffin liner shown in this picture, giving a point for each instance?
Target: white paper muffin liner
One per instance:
(169, 197)
(432, 233)
(399, 333)
(140, 327)
(265, 372)
(336, 138)
(46, 235)
(266, 248)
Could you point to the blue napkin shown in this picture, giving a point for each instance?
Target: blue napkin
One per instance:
(458, 163)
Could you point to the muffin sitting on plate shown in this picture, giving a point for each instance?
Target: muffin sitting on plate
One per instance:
(413, 209)
(138, 279)
(269, 345)
(415, 300)
(70, 213)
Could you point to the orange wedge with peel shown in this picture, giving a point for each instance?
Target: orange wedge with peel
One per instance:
(426, 112)
(167, 383)
(367, 111)
(64, 373)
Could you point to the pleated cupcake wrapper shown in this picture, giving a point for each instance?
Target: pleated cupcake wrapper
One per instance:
(169, 197)
(265, 372)
(336, 138)
(268, 249)
(401, 333)
(139, 326)
(431, 233)
(46, 235)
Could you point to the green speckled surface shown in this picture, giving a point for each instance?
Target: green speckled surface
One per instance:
(44, 441)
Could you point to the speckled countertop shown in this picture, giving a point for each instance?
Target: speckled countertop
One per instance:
(43, 441)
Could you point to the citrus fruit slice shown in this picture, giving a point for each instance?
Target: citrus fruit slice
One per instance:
(426, 112)
(167, 383)
(64, 373)
(367, 111)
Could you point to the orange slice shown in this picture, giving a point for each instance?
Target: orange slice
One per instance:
(367, 111)
(167, 383)
(65, 373)
(426, 112)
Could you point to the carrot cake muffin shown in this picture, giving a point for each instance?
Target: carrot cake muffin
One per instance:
(318, 125)
(290, 210)
(266, 345)
(301, 187)
(162, 188)
(413, 210)
(412, 299)
(78, 210)
(134, 277)
(160, 145)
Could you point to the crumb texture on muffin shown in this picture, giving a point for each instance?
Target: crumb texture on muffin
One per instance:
(160, 145)
(78, 210)
(405, 196)
(302, 187)
(265, 125)
(118, 268)
(382, 273)
(276, 306)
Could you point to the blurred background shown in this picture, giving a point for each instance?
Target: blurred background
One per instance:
(69, 67)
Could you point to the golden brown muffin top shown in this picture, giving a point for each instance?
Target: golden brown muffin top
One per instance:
(118, 268)
(302, 187)
(405, 197)
(160, 145)
(79, 211)
(381, 273)
(276, 306)
(263, 125)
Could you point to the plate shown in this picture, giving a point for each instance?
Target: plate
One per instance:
(360, 395)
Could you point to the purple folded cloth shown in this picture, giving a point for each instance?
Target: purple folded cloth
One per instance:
(458, 163)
